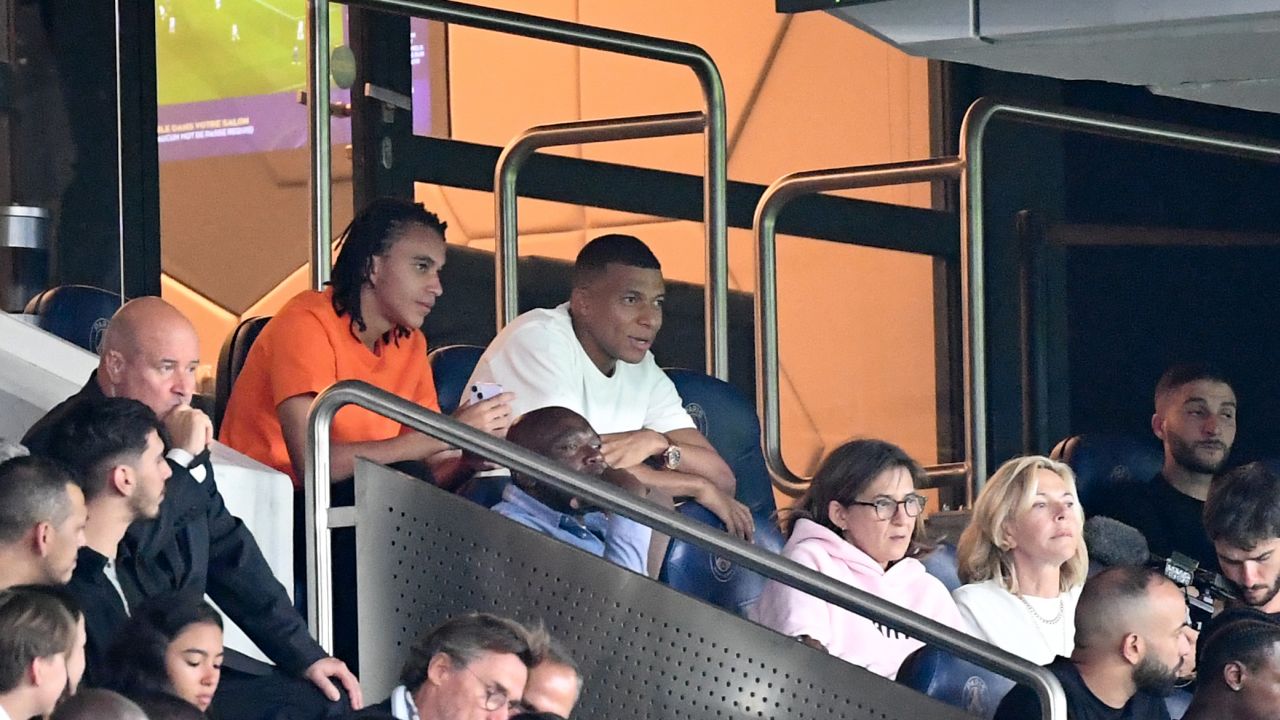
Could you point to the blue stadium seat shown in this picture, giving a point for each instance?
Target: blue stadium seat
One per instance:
(235, 349)
(729, 422)
(956, 682)
(941, 563)
(451, 367)
(695, 571)
(75, 313)
(1101, 462)
(484, 490)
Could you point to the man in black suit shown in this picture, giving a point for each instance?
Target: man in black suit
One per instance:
(150, 353)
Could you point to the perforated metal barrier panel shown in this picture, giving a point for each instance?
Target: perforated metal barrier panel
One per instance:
(646, 651)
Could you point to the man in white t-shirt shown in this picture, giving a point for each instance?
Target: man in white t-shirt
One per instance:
(591, 355)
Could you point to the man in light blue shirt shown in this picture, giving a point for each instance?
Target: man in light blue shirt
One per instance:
(565, 437)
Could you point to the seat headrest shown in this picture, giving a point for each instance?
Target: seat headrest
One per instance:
(941, 563)
(75, 313)
(451, 366)
(1100, 461)
(485, 490)
(729, 422)
(956, 682)
(695, 571)
(235, 350)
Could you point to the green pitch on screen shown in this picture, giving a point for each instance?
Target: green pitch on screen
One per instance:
(215, 49)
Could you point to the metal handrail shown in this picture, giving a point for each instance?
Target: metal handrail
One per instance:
(972, 138)
(697, 59)
(318, 134)
(507, 171)
(775, 198)
(319, 519)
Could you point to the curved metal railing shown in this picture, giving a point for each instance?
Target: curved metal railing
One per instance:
(968, 167)
(541, 28)
(507, 172)
(775, 199)
(320, 517)
(973, 135)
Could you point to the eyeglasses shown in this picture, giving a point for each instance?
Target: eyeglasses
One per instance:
(886, 508)
(494, 698)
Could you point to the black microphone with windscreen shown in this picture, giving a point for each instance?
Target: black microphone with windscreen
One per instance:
(1111, 542)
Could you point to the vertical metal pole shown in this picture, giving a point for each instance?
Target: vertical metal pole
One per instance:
(715, 211)
(321, 147)
(974, 314)
(506, 288)
(775, 198)
(1028, 314)
(120, 152)
(316, 490)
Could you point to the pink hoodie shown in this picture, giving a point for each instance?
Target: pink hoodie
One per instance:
(851, 637)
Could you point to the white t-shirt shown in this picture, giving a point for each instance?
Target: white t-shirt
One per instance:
(1002, 619)
(538, 358)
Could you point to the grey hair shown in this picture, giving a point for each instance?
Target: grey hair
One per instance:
(463, 639)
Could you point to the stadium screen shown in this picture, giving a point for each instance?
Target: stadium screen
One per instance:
(228, 74)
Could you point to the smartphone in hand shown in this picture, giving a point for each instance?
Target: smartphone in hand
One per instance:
(484, 391)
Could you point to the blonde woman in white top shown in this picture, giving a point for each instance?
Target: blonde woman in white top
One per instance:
(1024, 560)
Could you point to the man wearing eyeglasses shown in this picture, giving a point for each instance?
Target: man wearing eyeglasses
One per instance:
(472, 667)
(565, 437)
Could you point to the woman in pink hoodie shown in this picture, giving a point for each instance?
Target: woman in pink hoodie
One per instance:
(858, 523)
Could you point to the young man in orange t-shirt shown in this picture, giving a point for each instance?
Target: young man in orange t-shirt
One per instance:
(364, 326)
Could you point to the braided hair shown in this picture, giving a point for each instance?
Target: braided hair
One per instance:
(372, 233)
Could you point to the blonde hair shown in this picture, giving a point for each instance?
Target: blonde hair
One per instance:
(983, 552)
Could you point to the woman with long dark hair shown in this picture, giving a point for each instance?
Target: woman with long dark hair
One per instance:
(172, 644)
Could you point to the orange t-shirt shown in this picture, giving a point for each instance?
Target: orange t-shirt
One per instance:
(303, 350)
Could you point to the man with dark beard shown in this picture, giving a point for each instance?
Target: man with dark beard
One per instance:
(1242, 517)
(1195, 418)
(116, 448)
(1129, 648)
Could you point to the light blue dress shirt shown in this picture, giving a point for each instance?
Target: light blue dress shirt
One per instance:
(617, 539)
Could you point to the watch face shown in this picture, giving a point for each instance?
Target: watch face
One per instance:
(672, 457)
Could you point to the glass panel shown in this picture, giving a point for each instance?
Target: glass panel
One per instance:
(234, 157)
(62, 134)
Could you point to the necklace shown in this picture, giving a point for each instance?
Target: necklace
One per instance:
(1047, 621)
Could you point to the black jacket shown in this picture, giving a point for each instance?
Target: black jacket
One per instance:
(195, 544)
(381, 711)
(104, 613)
